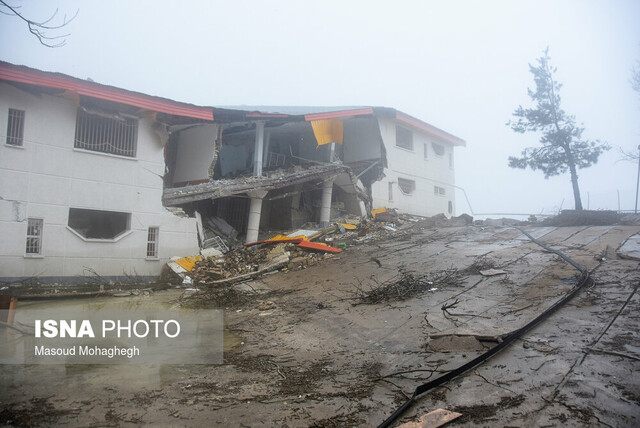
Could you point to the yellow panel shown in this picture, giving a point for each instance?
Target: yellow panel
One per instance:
(284, 237)
(188, 262)
(348, 226)
(327, 131)
(378, 211)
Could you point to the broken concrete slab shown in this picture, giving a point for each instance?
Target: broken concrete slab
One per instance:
(228, 187)
(631, 248)
(434, 419)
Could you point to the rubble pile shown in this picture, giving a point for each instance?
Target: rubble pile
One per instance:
(306, 247)
(250, 260)
(234, 263)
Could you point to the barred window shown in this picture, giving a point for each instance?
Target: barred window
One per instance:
(105, 133)
(34, 236)
(15, 127)
(404, 138)
(152, 242)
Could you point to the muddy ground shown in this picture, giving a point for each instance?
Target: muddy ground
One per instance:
(311, 348)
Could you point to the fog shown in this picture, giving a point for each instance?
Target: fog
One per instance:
(459, 65)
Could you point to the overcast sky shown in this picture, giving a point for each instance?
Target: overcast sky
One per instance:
(459, 65)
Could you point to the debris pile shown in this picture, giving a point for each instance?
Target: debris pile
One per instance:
(236, 262)
(241, 262)
(297, 250)
(480, 264)
(407, 285)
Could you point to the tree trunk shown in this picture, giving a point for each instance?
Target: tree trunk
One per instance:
(576, 189)
(574, 179)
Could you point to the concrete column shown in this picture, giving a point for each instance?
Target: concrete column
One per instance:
(255, 208)
(267, 143)
(258, 151)
(325, 206)
(332, 151)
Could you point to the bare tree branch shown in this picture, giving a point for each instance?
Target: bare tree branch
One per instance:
(628, 156)
(40, 29)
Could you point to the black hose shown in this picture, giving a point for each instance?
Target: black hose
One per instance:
(507, 340)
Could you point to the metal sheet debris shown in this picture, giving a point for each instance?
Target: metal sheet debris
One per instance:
(492, 272)
(434, 419)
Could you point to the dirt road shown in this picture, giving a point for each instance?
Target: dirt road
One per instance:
(305, 348)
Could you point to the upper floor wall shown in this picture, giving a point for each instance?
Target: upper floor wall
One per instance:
(413, 152)
(63, 171)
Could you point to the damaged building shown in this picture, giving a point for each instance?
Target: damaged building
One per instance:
(97, 179)
(283, 167)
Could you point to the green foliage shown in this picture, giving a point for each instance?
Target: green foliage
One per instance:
(562, 147)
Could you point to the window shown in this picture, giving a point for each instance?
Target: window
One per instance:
(15, 127)
(390, 191)
(34, 236)
(438, 149)
(426, 151)
(406, 186)
(404, 138)
(152, 242)
(95, 224)
(450, 160)
(439, 191)
(106, 133)
(450, 207)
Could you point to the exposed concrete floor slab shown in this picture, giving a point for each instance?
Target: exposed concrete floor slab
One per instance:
(314, 359)
(631, 248)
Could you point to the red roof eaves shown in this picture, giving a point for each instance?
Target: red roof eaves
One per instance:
(405, 118)
(95, 90)
(338, 114)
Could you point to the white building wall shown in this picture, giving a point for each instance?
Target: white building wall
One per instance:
(47, 176)
(195, 153)
(412, 165)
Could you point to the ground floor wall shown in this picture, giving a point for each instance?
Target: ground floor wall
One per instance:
(413, 194)
(65, 255)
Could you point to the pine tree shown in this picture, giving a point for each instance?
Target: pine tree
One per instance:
(562, 146)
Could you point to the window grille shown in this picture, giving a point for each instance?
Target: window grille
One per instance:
(152, 242)
(275, 159)
(15, 127)
(34, 236)
(106, 133)
(439, 191)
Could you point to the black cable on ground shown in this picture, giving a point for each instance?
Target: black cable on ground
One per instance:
(507, 340)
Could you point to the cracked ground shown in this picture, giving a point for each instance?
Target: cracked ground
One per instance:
(306, 351)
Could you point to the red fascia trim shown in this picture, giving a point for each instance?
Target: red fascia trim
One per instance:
(405, 118)
(338, 114)
(265, 115)
(96, 90)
